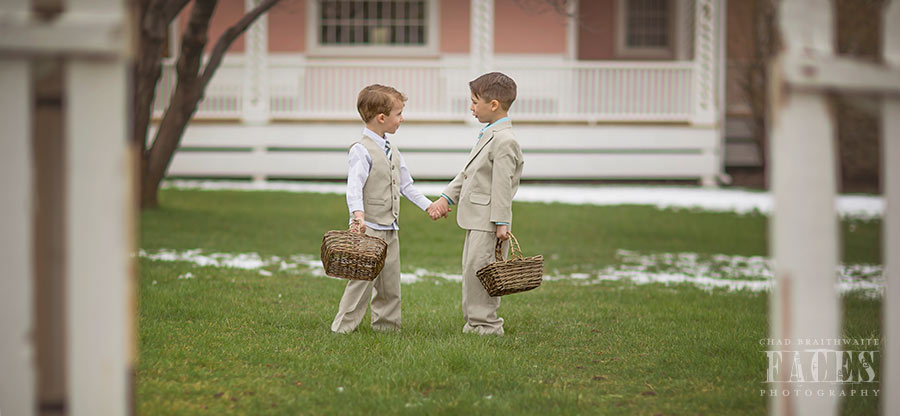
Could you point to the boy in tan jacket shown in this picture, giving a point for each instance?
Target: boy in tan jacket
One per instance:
(484, 191)
(376, 179)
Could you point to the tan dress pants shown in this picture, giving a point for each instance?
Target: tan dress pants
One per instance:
(386, 297)
(479, 308)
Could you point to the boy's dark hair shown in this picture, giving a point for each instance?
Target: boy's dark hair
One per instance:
(377, 99)
(494, 86)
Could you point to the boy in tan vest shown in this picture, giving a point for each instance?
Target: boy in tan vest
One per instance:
(484, 191)
(375, 181)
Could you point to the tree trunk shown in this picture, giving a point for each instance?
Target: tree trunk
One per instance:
(151, 34)
(189, 89)
(147, 69)
(182, 105)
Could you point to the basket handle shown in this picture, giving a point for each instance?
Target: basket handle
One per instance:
(357, 226)
(516, 251)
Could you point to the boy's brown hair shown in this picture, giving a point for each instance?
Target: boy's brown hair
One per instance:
(377, 99)
(494, 86)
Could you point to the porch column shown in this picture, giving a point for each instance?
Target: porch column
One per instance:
(706, 14)
(803, 230)
(707, 31)
(572, 31)
(256, 69)
(890, 136)
(481, 38)
(481, 42)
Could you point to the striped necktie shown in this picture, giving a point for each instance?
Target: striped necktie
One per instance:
(387, 149)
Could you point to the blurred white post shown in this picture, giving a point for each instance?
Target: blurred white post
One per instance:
(890, 137)
(99, 220)
(256, 73)
(17, 349)
(803, 230)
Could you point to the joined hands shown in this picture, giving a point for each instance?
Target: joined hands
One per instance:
(438, 209)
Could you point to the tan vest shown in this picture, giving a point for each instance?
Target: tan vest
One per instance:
(381, 193)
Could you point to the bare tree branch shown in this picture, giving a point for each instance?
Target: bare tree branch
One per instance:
(173, 7)
(218, 52)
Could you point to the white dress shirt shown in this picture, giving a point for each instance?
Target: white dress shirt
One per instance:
(361, 165)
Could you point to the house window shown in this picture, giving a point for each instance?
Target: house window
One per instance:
(647, 24)
(369, 26)
(646, 28)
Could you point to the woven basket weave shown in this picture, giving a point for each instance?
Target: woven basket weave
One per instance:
(517, 274)
(350, 254)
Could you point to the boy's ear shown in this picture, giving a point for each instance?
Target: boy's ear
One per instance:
(495, 105)
(380, 118)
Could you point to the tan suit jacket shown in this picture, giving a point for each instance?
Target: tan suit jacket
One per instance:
(484, 189)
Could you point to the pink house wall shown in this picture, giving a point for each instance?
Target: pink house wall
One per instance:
(454, 17)
(597, 30)
(287, 26)
(516, 31)
(528, 29)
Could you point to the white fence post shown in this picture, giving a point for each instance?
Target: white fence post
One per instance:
(17, 349)
(100, 329)
(99, 218)
(803, 229)
(890, 369)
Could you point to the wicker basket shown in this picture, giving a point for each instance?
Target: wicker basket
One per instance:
(350, 254)
(517, 274)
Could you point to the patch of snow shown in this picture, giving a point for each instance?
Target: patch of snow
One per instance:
(739, 201)
(718, 271)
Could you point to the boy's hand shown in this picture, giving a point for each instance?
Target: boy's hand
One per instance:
(438, 209)
(503, 232)
(359, 217)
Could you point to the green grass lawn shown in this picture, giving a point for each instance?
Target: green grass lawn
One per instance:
(231, 341)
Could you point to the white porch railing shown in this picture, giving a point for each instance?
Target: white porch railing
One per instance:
(438, 91)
